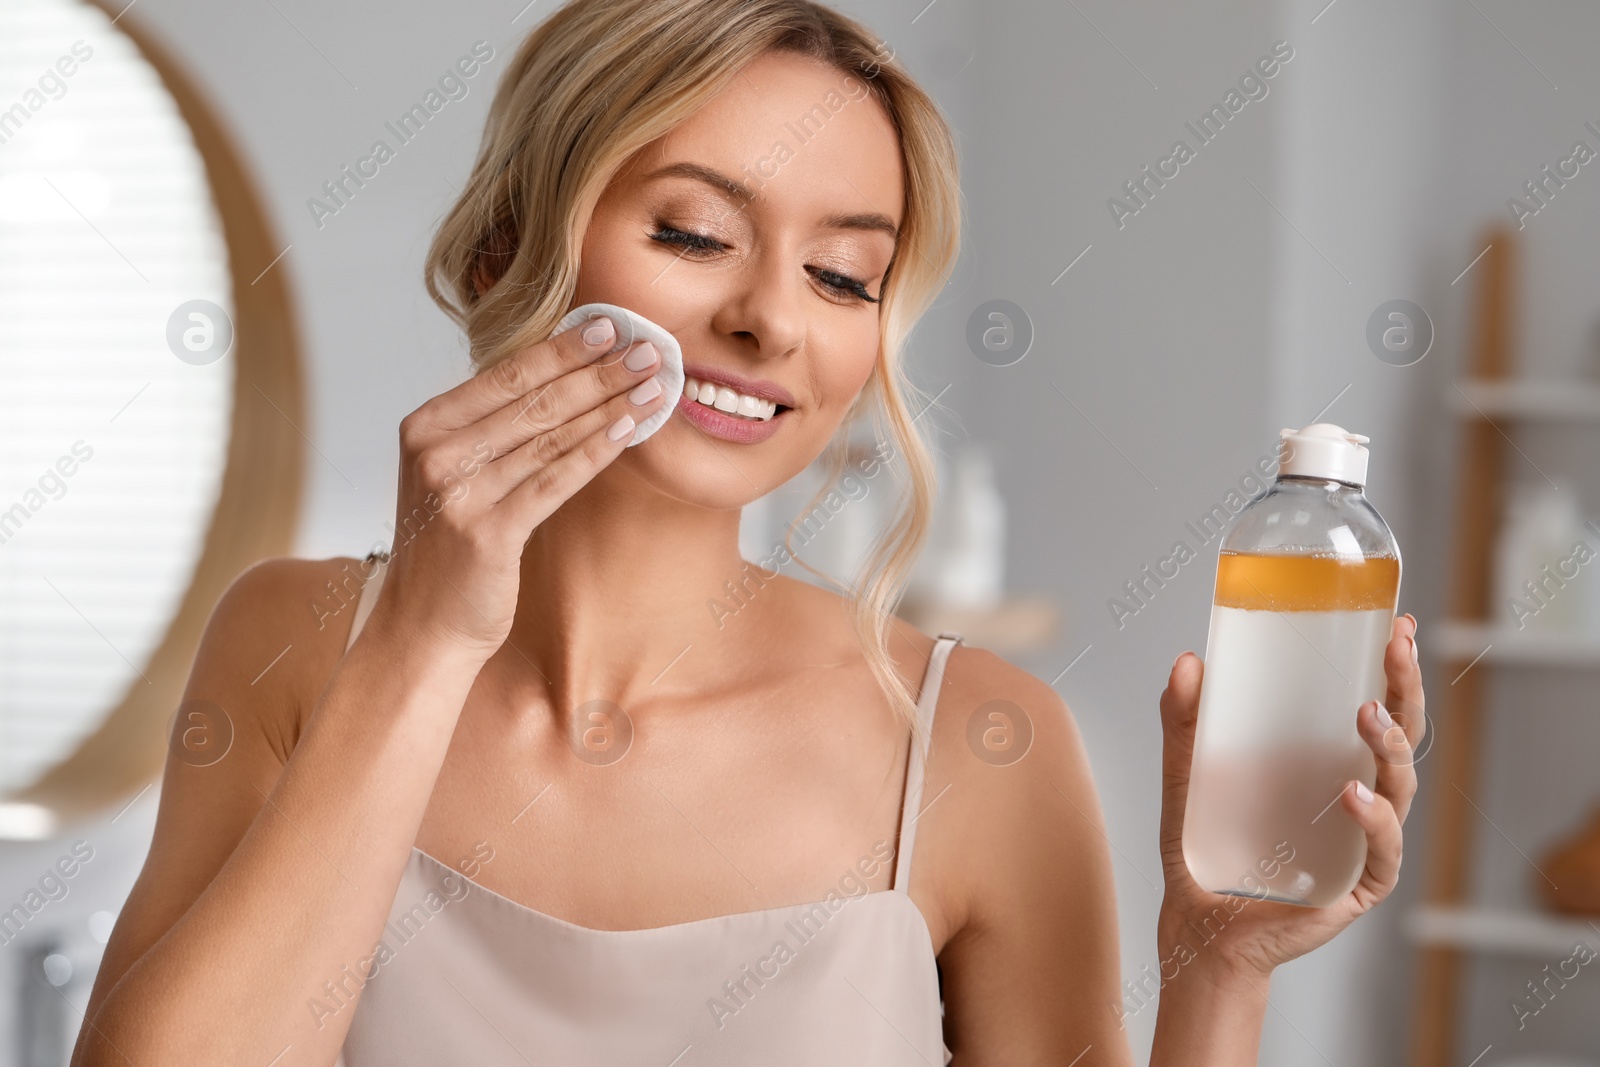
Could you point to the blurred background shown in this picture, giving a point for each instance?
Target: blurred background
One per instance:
(209, 334)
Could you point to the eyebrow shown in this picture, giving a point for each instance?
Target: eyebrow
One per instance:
(859, 220)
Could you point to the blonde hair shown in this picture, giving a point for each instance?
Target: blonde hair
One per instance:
(599, 80)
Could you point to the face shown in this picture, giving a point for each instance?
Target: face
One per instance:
(757, 233)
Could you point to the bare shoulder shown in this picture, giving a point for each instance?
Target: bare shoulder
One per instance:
(1003, 732)
(1019, 851)
(270, 643)
(1019, 796)
(273, 639)
(263, 657)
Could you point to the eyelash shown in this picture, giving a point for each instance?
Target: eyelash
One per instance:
(697, 242)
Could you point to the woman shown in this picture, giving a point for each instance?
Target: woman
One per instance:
(526, 799)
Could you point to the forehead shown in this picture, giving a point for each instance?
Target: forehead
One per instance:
(804, 136)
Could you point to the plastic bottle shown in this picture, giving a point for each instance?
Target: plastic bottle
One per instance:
(1535, 560)
(973, 575)
(1307, 583)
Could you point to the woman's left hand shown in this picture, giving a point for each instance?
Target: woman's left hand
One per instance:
(1261, 934)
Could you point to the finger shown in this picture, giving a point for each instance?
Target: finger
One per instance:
(569, 396)
(552, 484)
(505, 474)
(1385, 842)
(523, 372)
(1397, 773)
(1180, 703)
(1403, 696)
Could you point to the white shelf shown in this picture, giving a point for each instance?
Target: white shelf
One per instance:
(1555, 400)
(1466, 641)
(1501, 930)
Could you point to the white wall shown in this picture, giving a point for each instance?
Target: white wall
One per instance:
(1160, 336)
(1359, 142)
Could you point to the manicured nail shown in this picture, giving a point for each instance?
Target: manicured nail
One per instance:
(599, 332)
(1385, 720)
(1363, 794)
(1414, 660)
(641, 357)
(621, 428)
(645, 392)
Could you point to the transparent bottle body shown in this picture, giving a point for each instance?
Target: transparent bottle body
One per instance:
(1307, 583)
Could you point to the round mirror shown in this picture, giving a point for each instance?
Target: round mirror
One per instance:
(149, 447)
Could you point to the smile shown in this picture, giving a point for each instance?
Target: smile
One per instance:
(731, 407)
(720, 397)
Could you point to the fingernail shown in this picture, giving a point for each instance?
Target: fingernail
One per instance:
(645, 392)
(1384, 718)
(1413, 640)
(641, 357)
(621, 428)
(599, 332)
(1363, 794)
(1180, 657)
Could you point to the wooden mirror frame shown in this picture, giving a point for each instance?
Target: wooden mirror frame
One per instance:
(258, 505)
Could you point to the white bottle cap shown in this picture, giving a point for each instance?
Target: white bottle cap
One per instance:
(1323, 450)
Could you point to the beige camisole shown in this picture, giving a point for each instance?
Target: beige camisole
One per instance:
(472, 977)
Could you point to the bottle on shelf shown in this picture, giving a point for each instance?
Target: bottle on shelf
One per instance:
(963, 565)
(1540, 554)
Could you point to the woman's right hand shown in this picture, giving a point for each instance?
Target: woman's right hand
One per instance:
(294, 885)
(484, 463)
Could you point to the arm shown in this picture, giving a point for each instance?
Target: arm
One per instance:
(1031, 977)
(1211, 1012)
(1032, 974)
(273, 870)
(264, 878)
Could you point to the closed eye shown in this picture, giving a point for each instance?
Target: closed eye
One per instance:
(842, 283)
(699, 243)
(690, 242)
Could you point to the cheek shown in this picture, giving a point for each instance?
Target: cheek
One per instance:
(850, 354)
(621, 267)
(609, 263)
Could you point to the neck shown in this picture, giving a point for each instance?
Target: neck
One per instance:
(614, 586)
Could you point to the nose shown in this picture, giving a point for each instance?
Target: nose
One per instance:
(765, 309)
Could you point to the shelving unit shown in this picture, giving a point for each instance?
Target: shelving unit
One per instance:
(1503, 645)
(1530, 400)
(1449, 927)
(1502, 931)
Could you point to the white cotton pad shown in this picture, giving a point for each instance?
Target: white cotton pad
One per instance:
(632, 327)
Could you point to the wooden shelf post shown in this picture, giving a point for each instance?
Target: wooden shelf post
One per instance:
(1455, 772)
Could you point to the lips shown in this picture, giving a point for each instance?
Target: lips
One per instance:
(726, 427)
(731, 407)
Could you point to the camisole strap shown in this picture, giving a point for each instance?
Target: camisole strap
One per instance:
(367, 597)
(911, 807)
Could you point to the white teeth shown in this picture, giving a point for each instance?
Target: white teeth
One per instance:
(724, 399)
